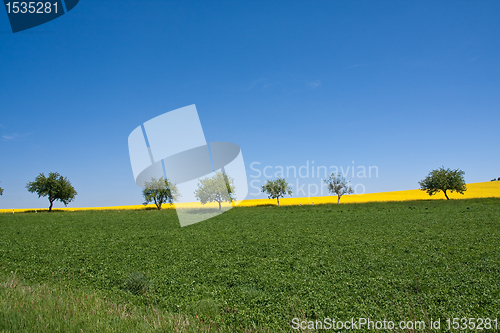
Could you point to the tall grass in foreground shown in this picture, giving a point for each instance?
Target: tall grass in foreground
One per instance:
(43, 308)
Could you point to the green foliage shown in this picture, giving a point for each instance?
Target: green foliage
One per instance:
(338, 185)
(55, 187)
(1, 191)
(219, 188)
(254, 268)
(160, 191)
(276, 189)
(444, 180)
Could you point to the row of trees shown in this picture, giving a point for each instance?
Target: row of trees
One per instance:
(278, 188)
(438, 180)
(220, 188)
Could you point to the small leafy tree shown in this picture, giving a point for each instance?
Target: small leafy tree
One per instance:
(276, 189)
(444, 180)
(55, 187)
(338, 185)
(219, 188)
(160, 191)
(1, 191)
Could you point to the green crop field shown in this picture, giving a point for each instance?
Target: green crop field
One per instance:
(250, 269)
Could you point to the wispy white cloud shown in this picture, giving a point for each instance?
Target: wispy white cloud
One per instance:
(14, 136)
(287, 86)
(314, 84)
(8, 137)
(253, 84)
(265, 86)
(357, 65)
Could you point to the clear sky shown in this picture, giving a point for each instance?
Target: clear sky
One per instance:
(406, 86)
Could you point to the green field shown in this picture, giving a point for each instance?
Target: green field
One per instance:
(250, 269)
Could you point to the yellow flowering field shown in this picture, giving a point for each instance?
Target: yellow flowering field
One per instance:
(474, 190)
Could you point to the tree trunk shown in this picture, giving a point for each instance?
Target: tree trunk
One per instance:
(50, 207)
(446, 195)
(219, 205)
(158, 205)
(338, 199)
(278, 202)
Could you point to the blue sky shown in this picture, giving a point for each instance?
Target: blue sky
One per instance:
(404, 86)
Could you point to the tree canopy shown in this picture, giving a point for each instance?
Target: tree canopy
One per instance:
(444, 180)
(160, 191)
(218, 188)
(276, 189)
(1, 191)
(338, 185)
(55, 187)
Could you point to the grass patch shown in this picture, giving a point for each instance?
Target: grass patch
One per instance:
(137, 284)
(42, 308)
(257, 268)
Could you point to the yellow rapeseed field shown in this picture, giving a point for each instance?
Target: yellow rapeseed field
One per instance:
(474, 190)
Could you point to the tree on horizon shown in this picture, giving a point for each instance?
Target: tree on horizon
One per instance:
(444, 180)
(338, 185)
(160, 191)
(55, 187)
(218, 188)
(276, 189)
